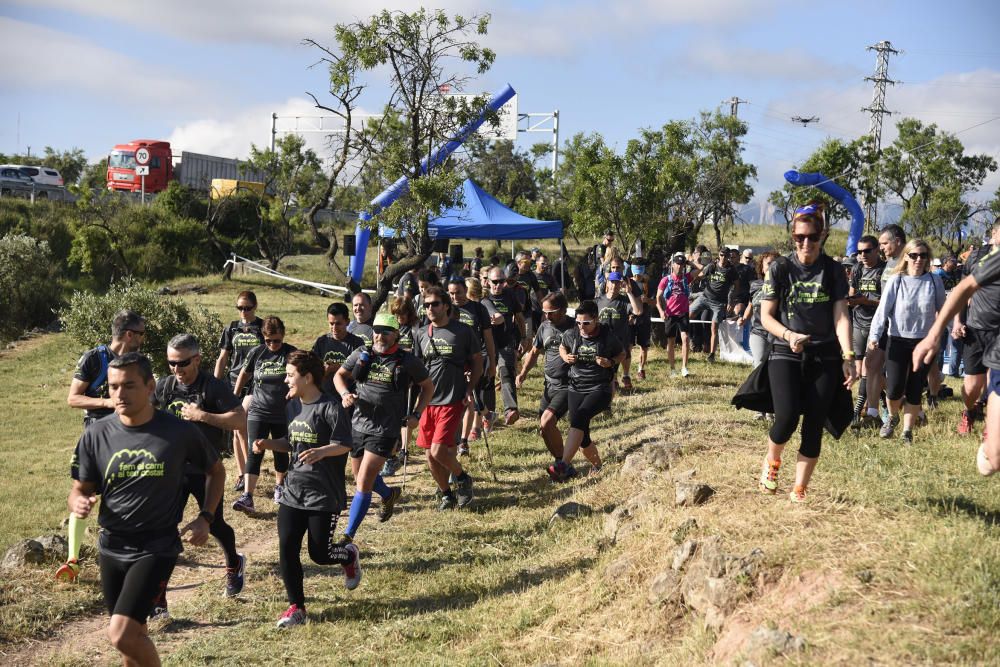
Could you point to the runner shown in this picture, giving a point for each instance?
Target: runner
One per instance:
(807, 290)
(913, 296)
(592, 351)
(986, 274)
(318, 439)
(448, 348)
(508, 332)
(471, 312)
(237, 340)
(865, 293)
(266, 365)
(718, 278)
(555, 400)
(978, 331)
(406, 316)
(672, 300)
(136, 462)
(381, 376)
(361, 305)
(198, 396)
(333, 348)
(640, 324)
(615, 306)
(891, 241)
(88, 390)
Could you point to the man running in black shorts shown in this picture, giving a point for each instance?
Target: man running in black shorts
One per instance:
(555, 399)
(194, 394)
(136, 462)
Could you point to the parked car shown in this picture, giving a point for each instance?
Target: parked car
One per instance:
(15, 184)
(43, 175)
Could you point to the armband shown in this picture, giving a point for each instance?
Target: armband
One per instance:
(849, 355)
(209, 517)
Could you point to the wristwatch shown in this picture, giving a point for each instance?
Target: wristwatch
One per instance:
(209, 517)
(415, 414)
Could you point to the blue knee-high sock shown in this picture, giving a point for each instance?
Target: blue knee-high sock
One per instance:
(381, 487)
(359, 508)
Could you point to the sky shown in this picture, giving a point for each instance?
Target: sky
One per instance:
(207, 74)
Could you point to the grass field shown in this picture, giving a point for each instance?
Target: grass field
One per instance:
(896, 559)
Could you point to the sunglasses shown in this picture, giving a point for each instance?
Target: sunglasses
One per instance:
(497, 282)
(802, 238)
(584, 323)
(180, 364)
(865, 251)
(917, 255)
(244, 309)
(383, 330)
(551, 312)
(431, 304)
(274, 341)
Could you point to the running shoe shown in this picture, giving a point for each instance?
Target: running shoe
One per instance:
(389, 504)
(240, 484)
(685, 372)
(68, 571)
(932, 402)
(160, 611)
(889, 427)
(557, 471)
(446, 501)
(641, 374)
(234, 577)
(488, 421)
(510, 417)
(463, 490)
(352, 570)
(759, 416)
(463, 448)
(244, 504)
(279, 493)
(907, 437)
(595, 470)
(798, 494)
(769, 477)
(626, 383)
(392, 466)
(711, 358)
(294, 615)
(474, 434)
(965, 423)
(922, 418)
(983, 463)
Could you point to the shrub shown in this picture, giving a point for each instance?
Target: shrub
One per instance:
(88, 318)
(29, 292)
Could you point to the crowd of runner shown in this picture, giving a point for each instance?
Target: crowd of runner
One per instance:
(430, 365)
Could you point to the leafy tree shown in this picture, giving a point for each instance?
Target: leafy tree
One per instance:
(28, 286)
(93, 179)
(295, 181)
(70, 164)
(930, 172)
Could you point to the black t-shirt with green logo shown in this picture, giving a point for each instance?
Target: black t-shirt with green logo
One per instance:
(447, 351)
(139, 472)
(586, 375)
(987, 274)
(505, 335)
(806, 294)
(363, 331)
(614, 313)
(238, 339)
(547, 284)
(475, 315)
(318, 486)
(548, 338)
(88, 368)
(207, 392)
(381, 403)
(984, 307)
(269, 388)
(867, 283)
(333, 351)
(717, 282)
(405, 339)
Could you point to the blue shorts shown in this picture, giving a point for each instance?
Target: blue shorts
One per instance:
(994, 383)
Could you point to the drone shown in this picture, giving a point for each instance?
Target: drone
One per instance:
(805, 121)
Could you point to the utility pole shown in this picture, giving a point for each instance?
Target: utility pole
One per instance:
(878, 110)
(734, 112)
(734, 105)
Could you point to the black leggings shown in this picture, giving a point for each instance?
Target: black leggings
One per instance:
(258, 429)
(131, 587)
(802, 387)
(901, 380)
(585, 406)
(194, 485)
(293, 524)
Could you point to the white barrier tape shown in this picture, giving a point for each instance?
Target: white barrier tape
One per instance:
(257, 267)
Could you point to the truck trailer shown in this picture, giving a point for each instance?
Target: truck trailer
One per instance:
(195, 170)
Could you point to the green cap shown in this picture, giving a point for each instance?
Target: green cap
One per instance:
(386, 320)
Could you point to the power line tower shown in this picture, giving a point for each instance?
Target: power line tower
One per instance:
(734, 105)
(878, 110)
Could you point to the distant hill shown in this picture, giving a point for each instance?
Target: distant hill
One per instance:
(762, 212)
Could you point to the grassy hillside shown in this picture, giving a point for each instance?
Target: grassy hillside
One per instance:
(896, 559)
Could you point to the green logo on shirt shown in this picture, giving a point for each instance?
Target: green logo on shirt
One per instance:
(151, 467)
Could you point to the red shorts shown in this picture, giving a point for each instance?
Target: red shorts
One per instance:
(440, 423)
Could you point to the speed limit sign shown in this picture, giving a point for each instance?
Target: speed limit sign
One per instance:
(142, 157)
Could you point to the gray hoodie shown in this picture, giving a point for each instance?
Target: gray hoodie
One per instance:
(909, 305)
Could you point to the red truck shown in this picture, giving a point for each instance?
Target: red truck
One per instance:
(194, 170)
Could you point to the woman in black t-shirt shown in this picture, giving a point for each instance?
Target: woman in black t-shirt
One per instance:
(237, 340)
(318, 439)
(593, 353)
(266, 416)
(805, 308)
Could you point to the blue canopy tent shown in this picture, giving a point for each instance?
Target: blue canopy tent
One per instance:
(481, 216)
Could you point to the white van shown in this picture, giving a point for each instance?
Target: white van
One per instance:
(40, 175)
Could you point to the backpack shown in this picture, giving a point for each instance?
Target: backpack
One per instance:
(400, 378)
(670, 285)
(170, 386)
(105, 356)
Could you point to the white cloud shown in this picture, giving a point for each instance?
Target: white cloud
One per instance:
(69, 63)
(756, 64)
